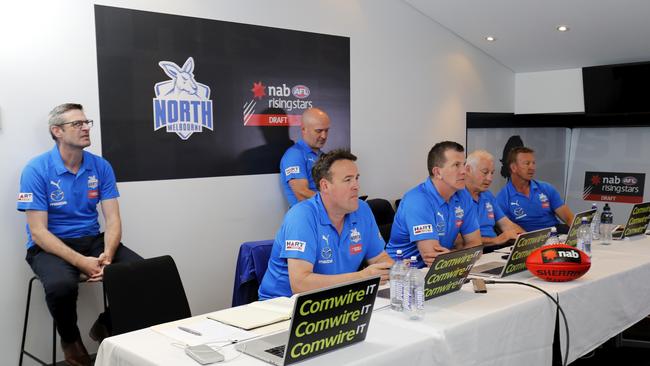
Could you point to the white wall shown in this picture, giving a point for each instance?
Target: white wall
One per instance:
(412, 83)
(558, 91)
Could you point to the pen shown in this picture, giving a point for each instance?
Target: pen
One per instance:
(191, 331)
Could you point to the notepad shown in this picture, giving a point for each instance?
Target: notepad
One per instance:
(256, 314)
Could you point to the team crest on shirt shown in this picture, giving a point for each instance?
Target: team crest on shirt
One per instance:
(57, 196)
(517, 209)
(294, 245)
(544, 200)
(355, 235)
(93, 183)
(490, 210)
(460, 213)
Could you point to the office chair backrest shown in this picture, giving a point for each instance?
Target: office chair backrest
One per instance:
(144, 293)
(384, 215)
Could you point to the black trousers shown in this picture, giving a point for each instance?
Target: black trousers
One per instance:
(60, 280)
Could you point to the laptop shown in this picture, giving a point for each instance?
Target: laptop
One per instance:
(525, 244)
(572, 235)
(636, 224)
(323, 320)
(447, 273)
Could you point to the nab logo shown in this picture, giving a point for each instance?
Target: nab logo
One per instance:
(300, 91)
(181, 105)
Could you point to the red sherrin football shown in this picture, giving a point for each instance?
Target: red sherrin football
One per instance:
(558, 263)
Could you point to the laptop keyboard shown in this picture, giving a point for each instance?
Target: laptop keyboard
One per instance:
(278, 351)
(494, 271)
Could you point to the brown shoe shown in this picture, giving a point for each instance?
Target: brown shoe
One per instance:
(98, 332)
(75, 353)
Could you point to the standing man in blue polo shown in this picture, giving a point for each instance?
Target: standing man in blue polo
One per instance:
(59, 192)
(297, 161)
(532, 204)
(480, 172)
(432, 214)
(324, 240)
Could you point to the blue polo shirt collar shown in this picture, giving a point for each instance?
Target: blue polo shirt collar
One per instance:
(324, 219)
(60, 168)
(433, 193)
(304, 147)
(534, 186)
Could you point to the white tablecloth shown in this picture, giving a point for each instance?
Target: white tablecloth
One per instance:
(509, 325)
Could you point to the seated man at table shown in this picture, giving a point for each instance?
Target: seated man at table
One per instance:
(432, 214)
(532, 204)
(480, 172)
(59, 192)
(324, 240)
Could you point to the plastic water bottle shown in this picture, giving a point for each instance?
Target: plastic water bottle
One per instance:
(606, 223)
(396, 277)
(595, 223)
(584, 237)
(552, 238)
(413, 298)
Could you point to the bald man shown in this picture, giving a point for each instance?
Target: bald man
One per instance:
(297, 161)
(478, 178)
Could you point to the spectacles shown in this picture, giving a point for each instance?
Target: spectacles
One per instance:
(78, 124)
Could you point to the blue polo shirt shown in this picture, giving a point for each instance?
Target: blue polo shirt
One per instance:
(488, 213)
(537, 211)
(308, 234)
(296, 163)
(69, 199)
(423, 214)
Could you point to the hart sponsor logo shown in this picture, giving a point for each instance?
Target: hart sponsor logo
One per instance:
(25, 197)
(292, 100)
(292, 170)
(182, 105)
(614, 187)
(295, 245)
(422, 229)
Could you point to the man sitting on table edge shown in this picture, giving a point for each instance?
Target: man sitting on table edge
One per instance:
(324, 240)
(532, 204)
(432, 214)
(479, 176)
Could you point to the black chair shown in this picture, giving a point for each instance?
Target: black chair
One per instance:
(384, 215)
(397, 201)
(144, 293)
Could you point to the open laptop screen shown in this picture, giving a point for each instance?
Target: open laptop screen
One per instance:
(330, 319)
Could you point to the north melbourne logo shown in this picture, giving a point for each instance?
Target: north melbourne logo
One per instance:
(182, 105)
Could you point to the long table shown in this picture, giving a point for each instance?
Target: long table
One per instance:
(509, 325)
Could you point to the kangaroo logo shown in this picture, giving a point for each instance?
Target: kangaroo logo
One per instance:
(182, 105)
(57, 194)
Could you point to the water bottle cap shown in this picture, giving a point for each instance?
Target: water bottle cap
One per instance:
(399, 251)
(553, 229)
(606, 208)
(414, 258)
(593, 205)
(584, 219)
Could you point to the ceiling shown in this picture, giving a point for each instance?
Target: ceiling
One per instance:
(601, 31)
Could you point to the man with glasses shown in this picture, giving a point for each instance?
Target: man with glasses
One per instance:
(59, 192)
